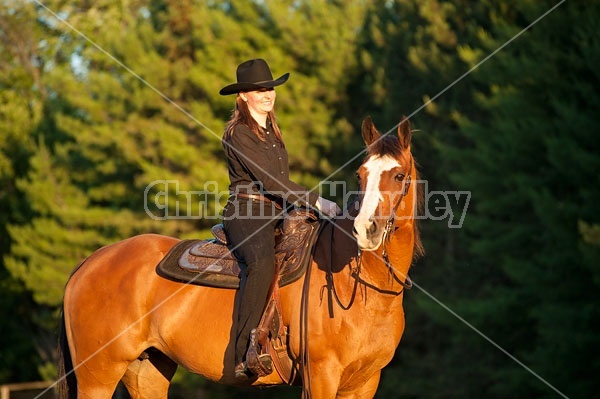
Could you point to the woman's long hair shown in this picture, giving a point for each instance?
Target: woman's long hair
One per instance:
(241, 114)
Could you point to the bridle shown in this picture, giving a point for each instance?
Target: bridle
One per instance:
(390, 227)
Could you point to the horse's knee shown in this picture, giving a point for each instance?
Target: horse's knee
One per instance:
(97, 381)
(366, 390)
(150, 376)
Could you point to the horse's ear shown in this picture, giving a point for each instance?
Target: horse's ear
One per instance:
(369, 132)
(404, 132)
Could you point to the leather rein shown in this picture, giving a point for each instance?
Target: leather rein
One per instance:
(355, 273)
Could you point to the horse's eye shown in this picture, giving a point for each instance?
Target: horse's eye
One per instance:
(399, 177)
(357, 176)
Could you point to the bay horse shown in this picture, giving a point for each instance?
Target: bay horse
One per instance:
(123, 322)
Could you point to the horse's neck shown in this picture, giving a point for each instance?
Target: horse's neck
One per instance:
(399, 250)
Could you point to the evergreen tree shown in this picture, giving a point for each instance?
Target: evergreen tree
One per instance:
(532, 163)
(412, 51)
(103, 138)
(410, 54)
(22, 100)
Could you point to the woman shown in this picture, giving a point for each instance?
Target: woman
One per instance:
(260, 188)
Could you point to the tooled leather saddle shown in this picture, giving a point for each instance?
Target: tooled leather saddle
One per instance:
(211, 263)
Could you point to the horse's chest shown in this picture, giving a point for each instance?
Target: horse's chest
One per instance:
(374, 340)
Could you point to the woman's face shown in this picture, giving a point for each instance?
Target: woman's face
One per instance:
(260, 102)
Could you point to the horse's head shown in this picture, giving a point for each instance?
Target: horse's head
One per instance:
(388, 197)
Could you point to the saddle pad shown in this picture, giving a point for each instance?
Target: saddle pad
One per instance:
(210, 263)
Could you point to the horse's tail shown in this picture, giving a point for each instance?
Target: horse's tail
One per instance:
(67, 382)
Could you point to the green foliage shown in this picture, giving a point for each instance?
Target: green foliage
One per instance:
(21, 110)
(519, 135)
(93, 132)
(531, 162)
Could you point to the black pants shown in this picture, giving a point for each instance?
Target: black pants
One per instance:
(250, 226)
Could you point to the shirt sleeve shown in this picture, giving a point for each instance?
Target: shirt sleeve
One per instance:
(262, 165)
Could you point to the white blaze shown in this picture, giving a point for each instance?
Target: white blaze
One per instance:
(372, 196)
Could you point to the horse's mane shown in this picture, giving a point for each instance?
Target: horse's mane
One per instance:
(385, 145)
(418, 248)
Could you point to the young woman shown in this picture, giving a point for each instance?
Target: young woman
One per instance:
(260, 188)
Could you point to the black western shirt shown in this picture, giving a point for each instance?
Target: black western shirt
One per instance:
(261, 167)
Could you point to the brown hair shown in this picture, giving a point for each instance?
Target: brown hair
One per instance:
(241, 114)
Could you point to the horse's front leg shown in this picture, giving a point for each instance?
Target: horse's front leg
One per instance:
(324, 380)
(149, 378)
(363, 391)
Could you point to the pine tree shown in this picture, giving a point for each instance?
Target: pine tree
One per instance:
(410, 54)
(104, 136)
(531, 165)
(412, 51)
(22, 100)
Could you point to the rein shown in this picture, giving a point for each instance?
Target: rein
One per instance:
(407, 284)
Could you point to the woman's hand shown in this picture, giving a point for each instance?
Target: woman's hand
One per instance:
(328, 208)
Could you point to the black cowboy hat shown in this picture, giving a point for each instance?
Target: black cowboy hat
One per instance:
(253, 75)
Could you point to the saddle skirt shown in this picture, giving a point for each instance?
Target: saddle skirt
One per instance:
(212, 263)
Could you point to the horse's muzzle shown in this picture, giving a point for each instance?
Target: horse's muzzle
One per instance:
(368, 234)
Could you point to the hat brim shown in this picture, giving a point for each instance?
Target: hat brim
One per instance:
(250, 86)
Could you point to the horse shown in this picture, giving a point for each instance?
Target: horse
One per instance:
(123, 322)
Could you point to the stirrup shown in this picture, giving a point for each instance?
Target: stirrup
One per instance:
(258, 363)
(262, 365)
